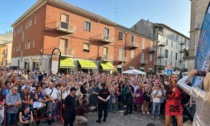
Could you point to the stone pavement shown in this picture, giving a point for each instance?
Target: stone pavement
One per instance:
(117, 119)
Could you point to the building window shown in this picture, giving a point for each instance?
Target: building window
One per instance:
(142, 56)
(86, 47)
(105, 51)
(21, 29)
(35, 19)
(19, 47)
(120, 53)
(106, 33)
(171, 43)
(64, 18)
(25, 45)
(143, 42)
(132, 54)
(132, 38)
(33, 43)
(166, 41)
(27, 25)
(166, 53)
(63, 46)
(23, 36)
(151, 43)
(150, 57)
(14, 33)
(28, 44)
(16, 49)
(120, 35)
(166, 63)
(87, 26)
(176, 56)
(30, 23)
(177, 37)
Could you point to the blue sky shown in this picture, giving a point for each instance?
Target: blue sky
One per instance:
(174, 13)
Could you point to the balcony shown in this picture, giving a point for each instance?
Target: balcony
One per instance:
(161, 55)
(106, 58)
(65, 27)
(133, 45)
(158, 63)
(181, 50)
(182, 43)
(122, 59)
(103, 38)
(143, 62)
(181, 60)
(152, 49)
(67, 52)
(162, 43)
(64, 51)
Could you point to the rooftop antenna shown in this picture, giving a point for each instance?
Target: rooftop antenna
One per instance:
(115, 13)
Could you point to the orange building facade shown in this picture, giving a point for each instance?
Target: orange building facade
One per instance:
(78, 34)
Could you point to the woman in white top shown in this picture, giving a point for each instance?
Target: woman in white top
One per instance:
(202, 99)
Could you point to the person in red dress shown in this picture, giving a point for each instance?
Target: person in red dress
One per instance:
(173, 102)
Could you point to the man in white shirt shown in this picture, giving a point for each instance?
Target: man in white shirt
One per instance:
(133, 83)
(53, 96)
(156, 101)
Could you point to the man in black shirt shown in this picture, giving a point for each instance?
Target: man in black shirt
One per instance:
(129, 100)
(103, 97)
(69, 106)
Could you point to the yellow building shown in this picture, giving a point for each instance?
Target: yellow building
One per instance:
(5, 49)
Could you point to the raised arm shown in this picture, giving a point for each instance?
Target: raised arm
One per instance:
(192, 91)
(183, 86)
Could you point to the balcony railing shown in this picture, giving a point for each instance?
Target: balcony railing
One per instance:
(143, 62)
(133, 45)
(181, 60)
(158, 63)
(152, 49)
(65, 27)
(181, 50)
(103, 38)
(182, 43)
(106, 58)
(64, 51)
(161, 43)
(67, 52)
(122, 59)
(161, 55)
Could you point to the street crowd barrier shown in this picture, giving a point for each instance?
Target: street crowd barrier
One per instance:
(43, 115)
(40, 114)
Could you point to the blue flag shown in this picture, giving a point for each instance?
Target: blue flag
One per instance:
(203, 49)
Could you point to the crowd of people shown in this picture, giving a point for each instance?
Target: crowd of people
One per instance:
(31, 96)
